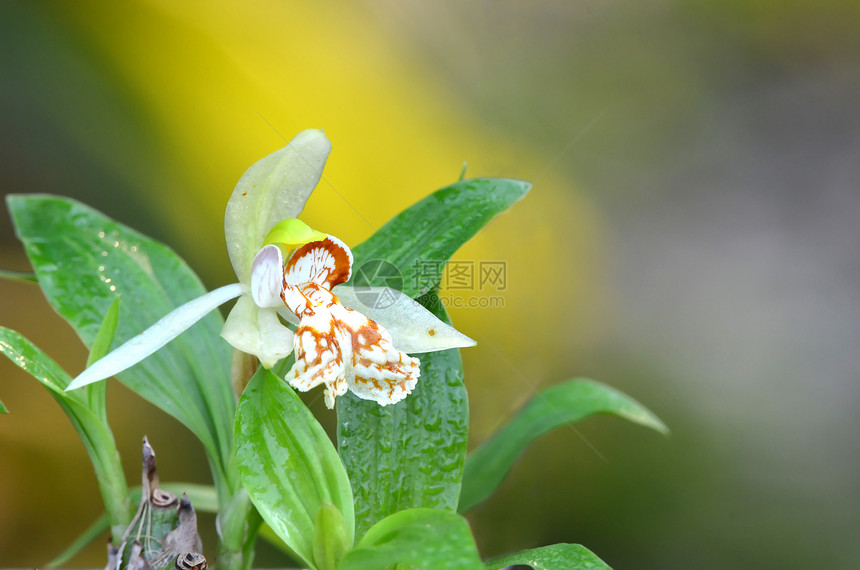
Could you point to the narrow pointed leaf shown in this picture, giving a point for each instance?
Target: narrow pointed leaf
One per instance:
(107, 330)
(18, 276)
(556, 406)
(411, 454)
(84, 261)
(416, 538)
(288, 464)
(32, 360)
(96, 395)
(3, 409)
(90, 424)
(553, 557)
(437, 226)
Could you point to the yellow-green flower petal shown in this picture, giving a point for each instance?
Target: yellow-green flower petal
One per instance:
(273, 189)
(292, 233)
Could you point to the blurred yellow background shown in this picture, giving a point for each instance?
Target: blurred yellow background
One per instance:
(690, 238)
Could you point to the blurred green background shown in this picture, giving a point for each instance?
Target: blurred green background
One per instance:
(691, 239)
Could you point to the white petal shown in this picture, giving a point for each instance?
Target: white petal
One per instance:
(273, 189)
(323, 352)
(156, 336)
(382, 392)
(267, 277)
(413, 328)
(257, 331)
(379, 371)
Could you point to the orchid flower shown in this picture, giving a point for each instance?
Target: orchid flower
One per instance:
(364, 350)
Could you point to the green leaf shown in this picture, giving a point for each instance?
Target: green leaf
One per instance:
(288, 464)
(267, 534)
(84, 261)
(556, 406)
(331, 537)
(104, 338)
(97, 393)
(90, 424)
(416, 538)
(18, 276)
(411, 454)
(553, 557)
(3, 409)
(436, 227)
(31, 359)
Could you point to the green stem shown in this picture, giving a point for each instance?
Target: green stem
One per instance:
(101, 447)
(239, 524)
(114, 492)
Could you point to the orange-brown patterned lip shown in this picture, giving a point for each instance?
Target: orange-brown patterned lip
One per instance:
(329, 273)
(370, 334)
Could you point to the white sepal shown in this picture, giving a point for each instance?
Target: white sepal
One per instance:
(257, 331)
(156, 336)
(274, 188)
(267, 277)
(413, 328)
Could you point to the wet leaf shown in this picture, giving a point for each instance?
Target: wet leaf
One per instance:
(556, 406)
(411, 454)
(288, 464)
(416, 538)
(84, 261)
(553, 557)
